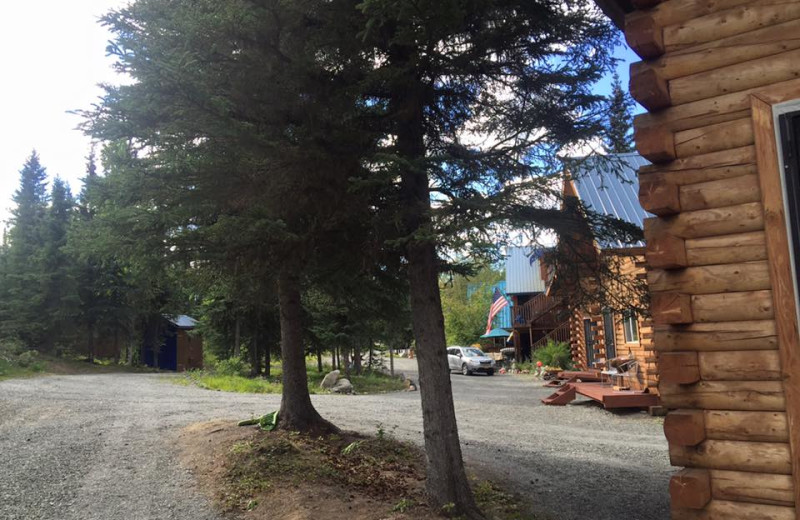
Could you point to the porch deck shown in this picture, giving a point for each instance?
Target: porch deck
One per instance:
(604, 394)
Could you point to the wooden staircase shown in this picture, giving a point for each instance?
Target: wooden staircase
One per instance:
(563, 396)
(560, 334)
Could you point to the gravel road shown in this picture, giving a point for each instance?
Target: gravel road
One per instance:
(99, 447)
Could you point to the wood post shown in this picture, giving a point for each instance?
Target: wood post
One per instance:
(690, 488)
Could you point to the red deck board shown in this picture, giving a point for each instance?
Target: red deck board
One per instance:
(610, 398)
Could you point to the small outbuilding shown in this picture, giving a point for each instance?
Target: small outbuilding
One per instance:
(179, 349)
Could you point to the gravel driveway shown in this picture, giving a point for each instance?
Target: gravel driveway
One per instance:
(98, 447)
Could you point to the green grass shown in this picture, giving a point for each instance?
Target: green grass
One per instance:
(367, 383)
(10, 370)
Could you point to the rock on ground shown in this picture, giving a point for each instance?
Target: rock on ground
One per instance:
(329, 380)
(342, 386)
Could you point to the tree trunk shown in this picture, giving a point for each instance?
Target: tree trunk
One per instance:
(267, 359)
(237, 336)
(369, 362)
(346, 360)
(296, 412)
(319, 359)
(357, 358)
(391, 360)
(333, 358)
(338, 358)
(255, 357)
(91, 343)
(446, 478)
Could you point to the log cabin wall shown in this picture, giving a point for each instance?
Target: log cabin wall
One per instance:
(639, 347)
(722, 301)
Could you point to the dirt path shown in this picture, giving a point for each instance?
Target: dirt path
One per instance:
(94, 447)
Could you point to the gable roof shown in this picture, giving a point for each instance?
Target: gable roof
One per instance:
(612, 188)
(182, 321)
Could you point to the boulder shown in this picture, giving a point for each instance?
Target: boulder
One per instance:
(342, 386)
(410, 385)
(329, 381)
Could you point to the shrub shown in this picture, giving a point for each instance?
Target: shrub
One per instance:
(554, 354)
(231, 367)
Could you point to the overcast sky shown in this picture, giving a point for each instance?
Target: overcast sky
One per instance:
(53, 57)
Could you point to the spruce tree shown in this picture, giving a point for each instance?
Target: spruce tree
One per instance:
(617, 136)
(58, 271)
(23, 306)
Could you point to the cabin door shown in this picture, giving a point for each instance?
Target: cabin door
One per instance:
(588, 334)
(608, 335)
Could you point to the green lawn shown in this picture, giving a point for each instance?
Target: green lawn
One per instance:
(367, 383)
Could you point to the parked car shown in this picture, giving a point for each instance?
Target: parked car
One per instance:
(469, 360)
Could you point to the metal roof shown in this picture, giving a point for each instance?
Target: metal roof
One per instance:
(523, 273)
(611, 187)
(182, 321)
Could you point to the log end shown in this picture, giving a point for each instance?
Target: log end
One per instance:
(685, 427)
(644, 35)
(659, 197)
(648, 87)
(655, 143)
(664, 251)
(690, 489)
(682, 368)
(671, 308)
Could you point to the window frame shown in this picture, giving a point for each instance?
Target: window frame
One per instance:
(630, 327)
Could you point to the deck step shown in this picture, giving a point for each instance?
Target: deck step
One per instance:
(565, 394)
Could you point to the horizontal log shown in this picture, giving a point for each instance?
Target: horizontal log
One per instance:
(738, 306)
(671, 308)
(685, 427)
(734, 78)
(720, 109)
(663, 197)
(765, 396)
(727, 51)
(730, 510)
(710, 279)
(702, 168)
(763, 365)
(677, 11)
(666, 252)
(762, 457)
(756, 426)
(719, 193)
(717, 337)
(645, 4)
(739, 247)
(759, 488)
(690, 489)
(724, 24)
(713, 138)
(741, 218)
(680, 368)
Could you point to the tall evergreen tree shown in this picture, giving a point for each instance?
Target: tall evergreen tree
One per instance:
(58, 270)
(618, 133)
(23, 304)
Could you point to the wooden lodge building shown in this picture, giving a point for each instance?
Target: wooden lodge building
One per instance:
(721, 82)
(178, 349)
(598, 335)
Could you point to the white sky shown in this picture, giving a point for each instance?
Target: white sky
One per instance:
(53, 56)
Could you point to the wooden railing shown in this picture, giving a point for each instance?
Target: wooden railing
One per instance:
(535, 308)
(559, 334)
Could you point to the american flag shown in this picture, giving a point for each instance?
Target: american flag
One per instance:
(498, 302)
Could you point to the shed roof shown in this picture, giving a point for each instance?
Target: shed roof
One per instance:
(612, 188)
(182, 321)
